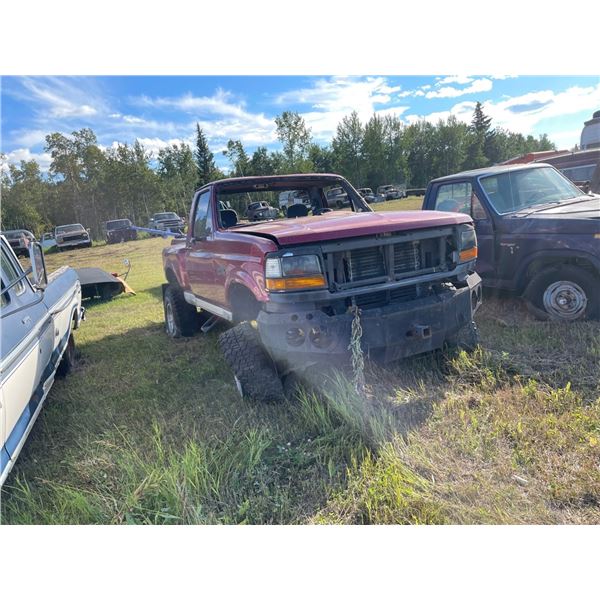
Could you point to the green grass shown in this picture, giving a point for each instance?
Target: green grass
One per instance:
(151, 430)
(410, 203)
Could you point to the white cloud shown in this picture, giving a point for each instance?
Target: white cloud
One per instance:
(342, 94)
(528, 113)
(233, 120)
(62, 98)
(477, 86)
(28, 137)
(16, 156)
(155, 145)
(334, 98)
(459, 79)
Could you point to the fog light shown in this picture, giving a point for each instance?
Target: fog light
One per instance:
(319, 337)
(294, 336)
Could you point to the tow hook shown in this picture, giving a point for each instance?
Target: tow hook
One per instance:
(419, 331)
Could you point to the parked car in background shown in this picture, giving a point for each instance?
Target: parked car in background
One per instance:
(48, 241)
(290, 286)
(338, 197)
(390, 192)
(167, 221)
(74, 235)
(367, 194)
(19, 240)
(38, 315)
(119, 230)
(538, 235)
(415, 192)
(261, 211)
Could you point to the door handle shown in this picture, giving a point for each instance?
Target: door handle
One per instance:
(26, 320)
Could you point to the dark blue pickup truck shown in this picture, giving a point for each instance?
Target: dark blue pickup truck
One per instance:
(538, 235)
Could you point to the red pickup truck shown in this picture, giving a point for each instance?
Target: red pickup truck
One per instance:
(291, 285)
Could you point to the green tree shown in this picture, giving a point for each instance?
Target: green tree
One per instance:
(450, 137)
(295, 138)
(23, 194)
(347, 148)
(261, 163)
(374, 152)
(480, 138)
(240, 163)
(177, 174)
(205, 160)
(321, 157)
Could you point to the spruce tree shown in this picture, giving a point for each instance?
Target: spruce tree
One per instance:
(204, 158)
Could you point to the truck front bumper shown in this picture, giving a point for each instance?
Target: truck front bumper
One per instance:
(73, 243)
(301, 338)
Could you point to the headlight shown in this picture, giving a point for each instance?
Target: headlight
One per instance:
(468, 244)
(291, 273)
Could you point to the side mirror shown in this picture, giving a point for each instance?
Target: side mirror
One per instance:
(39, 277)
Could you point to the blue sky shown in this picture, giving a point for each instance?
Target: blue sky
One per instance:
(163, 110)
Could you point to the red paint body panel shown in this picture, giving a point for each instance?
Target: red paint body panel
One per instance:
(347, 224)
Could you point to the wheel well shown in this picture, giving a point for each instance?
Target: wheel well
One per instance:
(546, 262)
(244, 305)
(171, 277)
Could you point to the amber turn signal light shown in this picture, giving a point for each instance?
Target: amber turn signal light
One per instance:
(469, 254)
(286, 284)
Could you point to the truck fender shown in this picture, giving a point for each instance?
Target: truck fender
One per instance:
(254, 283)
(174, 273)
(552, 256)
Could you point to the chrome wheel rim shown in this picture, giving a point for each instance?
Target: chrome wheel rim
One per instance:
(565, 300)
(169, 318)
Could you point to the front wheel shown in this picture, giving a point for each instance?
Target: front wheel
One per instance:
(254, 373)
(466, 338)
(566, 293)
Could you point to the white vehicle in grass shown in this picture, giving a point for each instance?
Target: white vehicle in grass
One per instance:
(38, 314)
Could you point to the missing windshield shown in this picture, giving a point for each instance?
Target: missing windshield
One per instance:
(264, 202)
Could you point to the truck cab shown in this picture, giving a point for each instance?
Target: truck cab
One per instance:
(538, 235)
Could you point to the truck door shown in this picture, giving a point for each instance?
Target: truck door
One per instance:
(26, 343)
(199, 257)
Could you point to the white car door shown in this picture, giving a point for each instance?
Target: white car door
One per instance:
(26, 343)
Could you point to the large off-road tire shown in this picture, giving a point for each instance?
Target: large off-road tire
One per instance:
(181, 319)
(565, 293)
(466, 338)
(67, 362)
(255, 374)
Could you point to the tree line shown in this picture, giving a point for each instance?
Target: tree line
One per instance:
(90, 185)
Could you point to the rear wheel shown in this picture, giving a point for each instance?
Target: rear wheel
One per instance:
(566, 293)
(254, 372)
(181, 319)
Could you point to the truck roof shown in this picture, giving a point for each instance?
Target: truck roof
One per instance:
(489, 171)
(300, 179)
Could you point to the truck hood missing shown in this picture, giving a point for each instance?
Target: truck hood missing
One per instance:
(345, 224)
